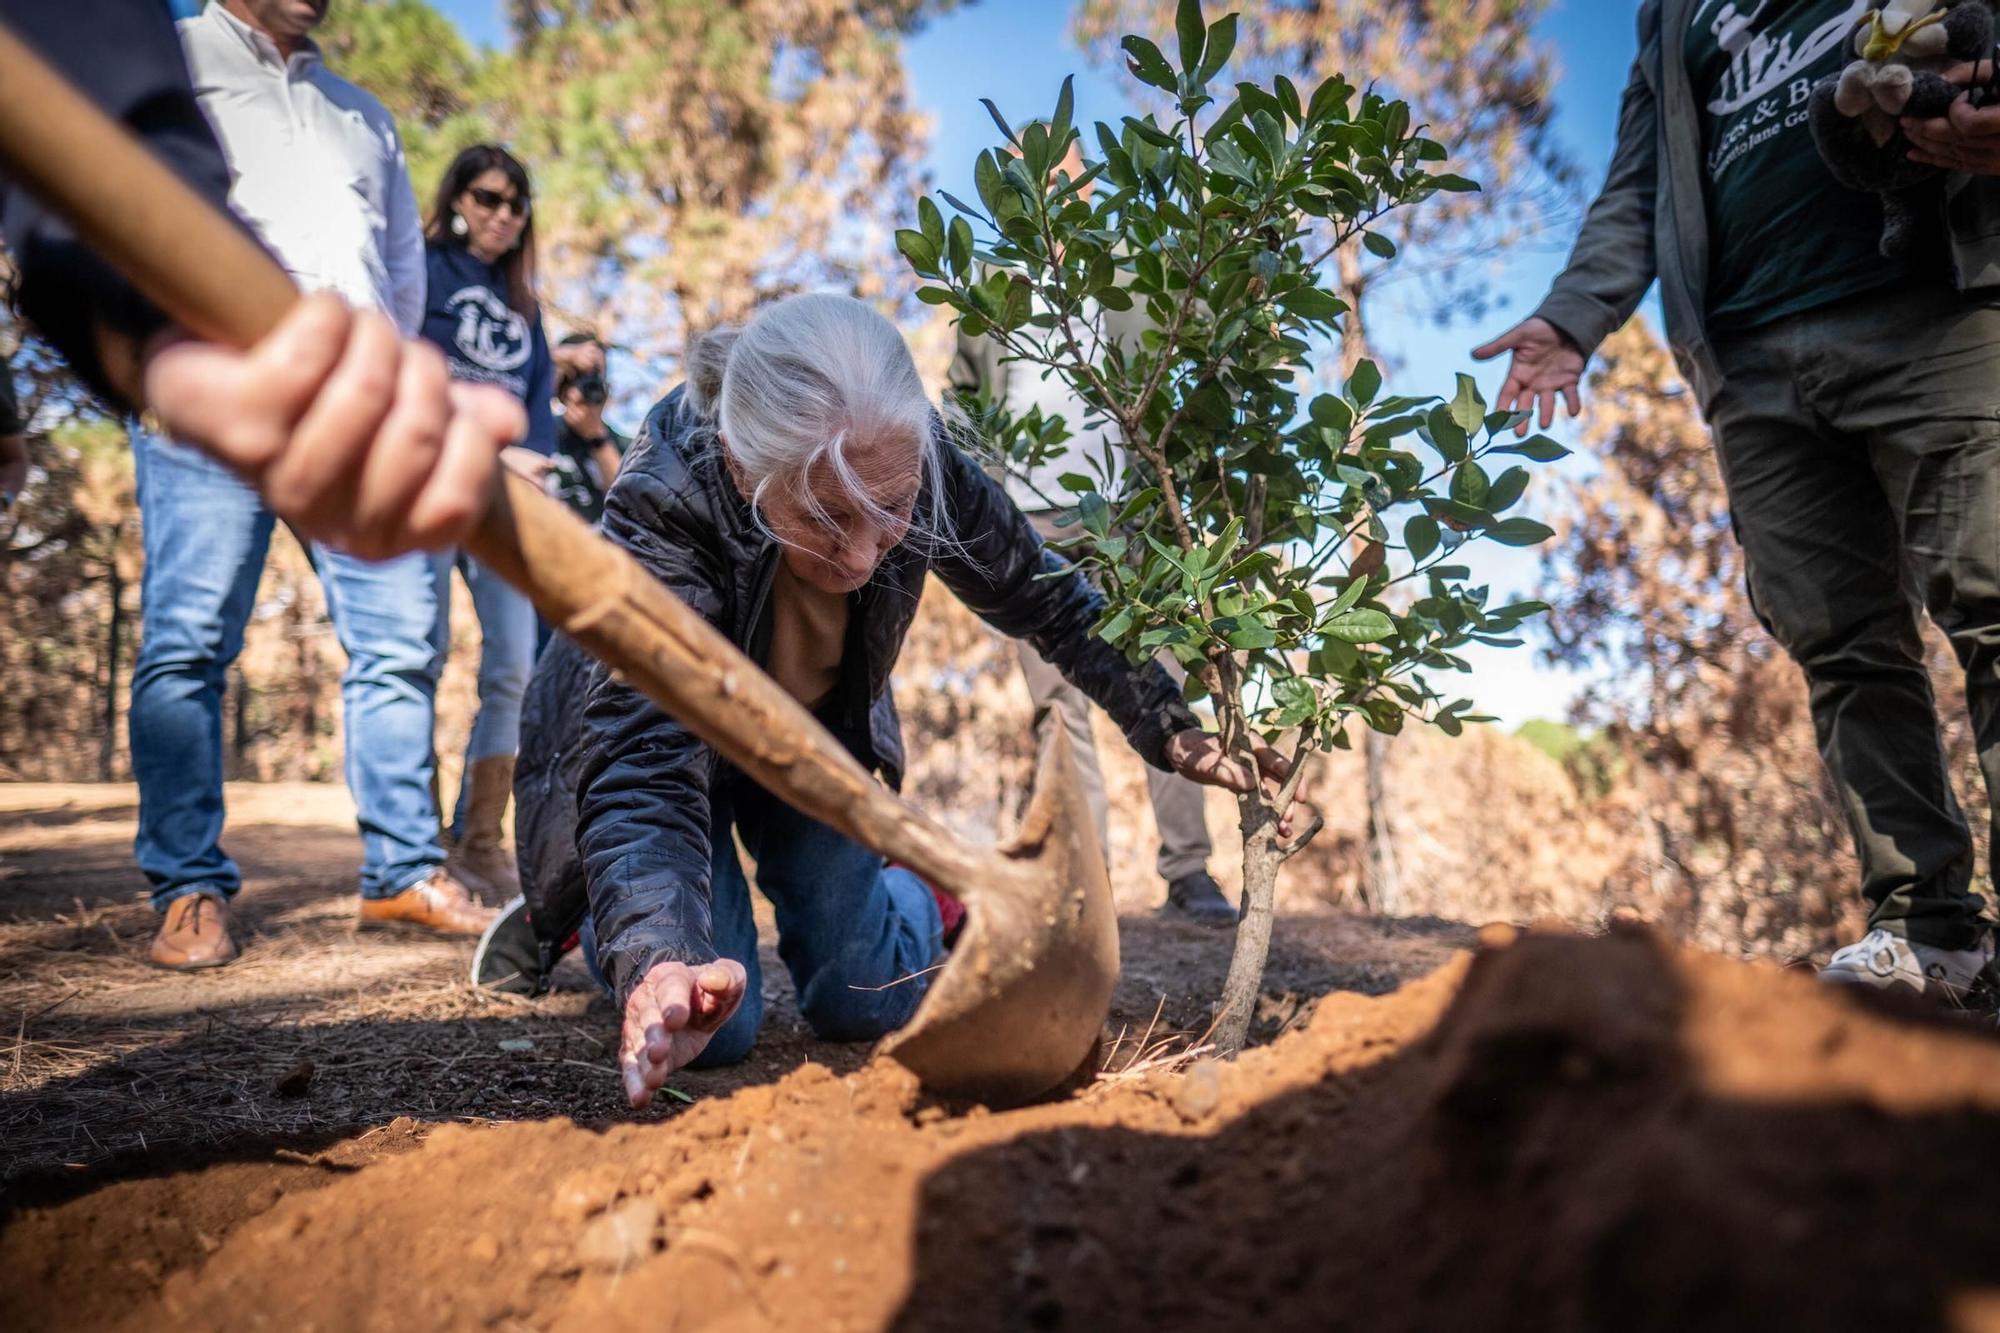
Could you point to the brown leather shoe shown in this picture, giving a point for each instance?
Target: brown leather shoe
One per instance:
(194, 933)
(482, 859)
(439, 903)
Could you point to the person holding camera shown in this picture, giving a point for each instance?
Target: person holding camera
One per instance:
(588, 452)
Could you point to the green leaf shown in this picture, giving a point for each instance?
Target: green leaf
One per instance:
(1446, 435)
(1507, 488)
(917, 248)
(1362, 625)
(1421, 536)
(1065, 110)
(1366, 383)
(1221, 42)
(1288, 98)
(1454, 184)
(1192, 31)
(1520, 532)
(1076, 483)
(1148, 65)
(1138, 505)
(1151, 133)
(1328, 98)
(1312, 303)
(934, 295)
(931, 221)
(1331, 413)
(1539, 448)
(1468, 409)
(986, 178)
(957, 202)
(1115, 298)
(1095, 514)
(1252, 637)
(1006, 130)
(1349, 596)
(961, 246)
(1469, 485)
(1379, 245)
(1294, 694)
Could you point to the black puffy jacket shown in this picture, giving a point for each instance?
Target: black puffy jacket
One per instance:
(613, 795)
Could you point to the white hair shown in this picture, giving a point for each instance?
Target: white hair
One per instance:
(801, 381)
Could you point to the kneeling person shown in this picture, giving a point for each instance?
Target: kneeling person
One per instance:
(795, 493)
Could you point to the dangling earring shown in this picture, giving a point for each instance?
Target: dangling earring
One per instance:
(458, 227)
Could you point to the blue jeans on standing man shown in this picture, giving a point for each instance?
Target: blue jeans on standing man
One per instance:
(205, 537)
(858, 935)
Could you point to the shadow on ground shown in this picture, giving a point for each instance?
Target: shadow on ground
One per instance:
(1577, 1147)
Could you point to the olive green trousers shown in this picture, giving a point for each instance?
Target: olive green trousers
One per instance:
(1861, 448)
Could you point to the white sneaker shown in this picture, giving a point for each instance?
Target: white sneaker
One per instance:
(1886, 961)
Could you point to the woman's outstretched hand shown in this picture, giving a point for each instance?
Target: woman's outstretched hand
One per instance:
(1201, 756)
(669, 1017)
(351, 433)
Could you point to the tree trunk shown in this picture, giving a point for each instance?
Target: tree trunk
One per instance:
(1381, 881)
(1261, 861)
(107, 745)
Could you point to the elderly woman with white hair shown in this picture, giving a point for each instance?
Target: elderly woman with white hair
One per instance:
(795, 492)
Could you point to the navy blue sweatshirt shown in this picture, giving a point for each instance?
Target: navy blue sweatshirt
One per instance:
(486, 340)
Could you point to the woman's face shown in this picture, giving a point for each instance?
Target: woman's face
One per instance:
(495, 214)
(839, 553)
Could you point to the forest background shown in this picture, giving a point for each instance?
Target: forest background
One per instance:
(693, 160)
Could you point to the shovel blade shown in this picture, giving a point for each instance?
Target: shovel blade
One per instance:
(1021, 1003)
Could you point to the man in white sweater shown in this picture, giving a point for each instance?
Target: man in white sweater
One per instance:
(317, 171)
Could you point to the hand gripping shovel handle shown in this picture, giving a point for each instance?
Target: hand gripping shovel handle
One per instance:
(210, 277)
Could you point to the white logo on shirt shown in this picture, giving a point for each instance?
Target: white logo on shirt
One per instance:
(491, 334)
(1759, 63)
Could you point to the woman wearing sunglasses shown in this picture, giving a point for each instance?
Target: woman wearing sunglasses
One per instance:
(481, 309)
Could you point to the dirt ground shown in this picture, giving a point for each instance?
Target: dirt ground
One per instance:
(324, 1048)
(1546, 1132)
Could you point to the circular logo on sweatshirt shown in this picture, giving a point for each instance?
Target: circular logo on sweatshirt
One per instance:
(491, 334)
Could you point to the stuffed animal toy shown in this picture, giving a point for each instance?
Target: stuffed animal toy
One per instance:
(1902, 50)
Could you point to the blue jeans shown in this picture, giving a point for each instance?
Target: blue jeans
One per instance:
(205, 537)
(856, 934)
(506, 659)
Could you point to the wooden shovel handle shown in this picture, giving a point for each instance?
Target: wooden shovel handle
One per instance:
(220, 285)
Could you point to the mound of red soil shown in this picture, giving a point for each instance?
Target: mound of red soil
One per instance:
(1558, 1134)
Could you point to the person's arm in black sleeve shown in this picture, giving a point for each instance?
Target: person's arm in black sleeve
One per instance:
(125, 56)
(642, 800)
(999, 569)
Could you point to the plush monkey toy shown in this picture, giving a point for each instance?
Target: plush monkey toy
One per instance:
(1902, 49)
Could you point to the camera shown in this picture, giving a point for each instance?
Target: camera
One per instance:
(591, 389)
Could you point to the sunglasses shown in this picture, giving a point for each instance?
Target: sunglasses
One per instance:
(490, 200)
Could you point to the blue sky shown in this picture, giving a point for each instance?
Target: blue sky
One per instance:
(1018, 51)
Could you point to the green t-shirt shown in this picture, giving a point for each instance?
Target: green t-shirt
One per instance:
(1785, 236)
